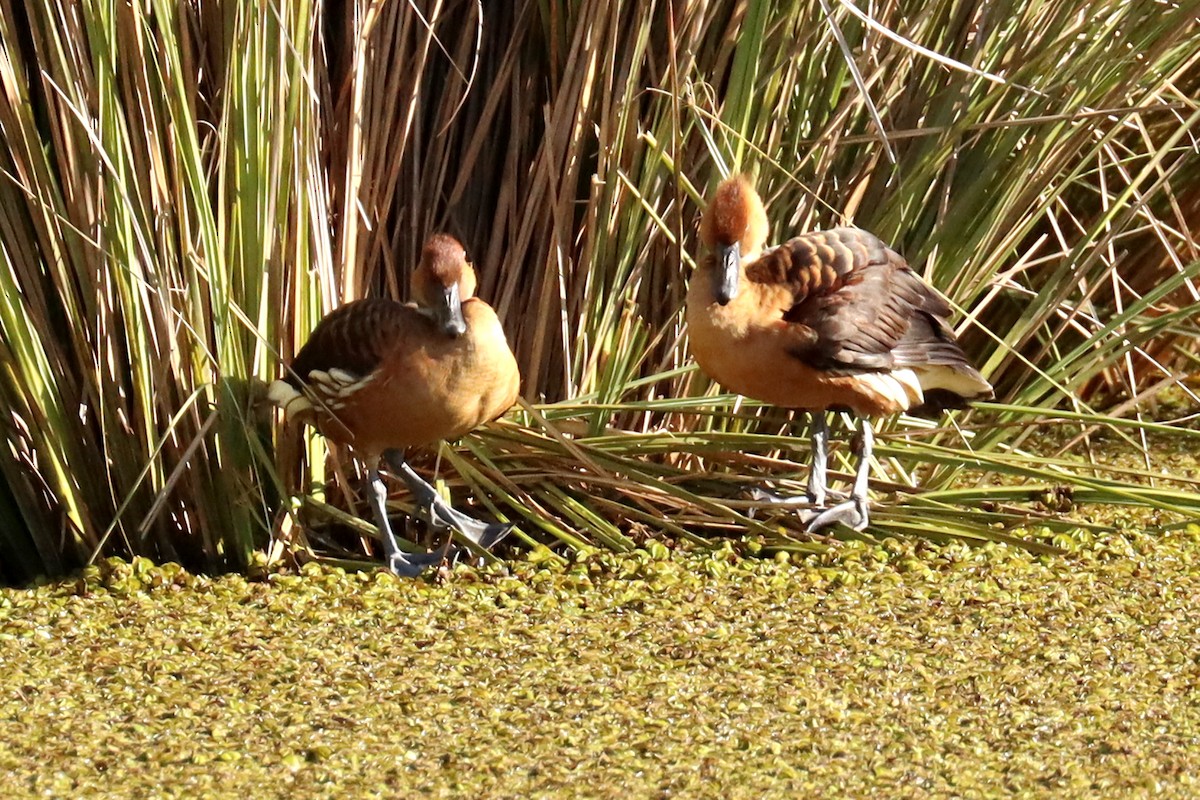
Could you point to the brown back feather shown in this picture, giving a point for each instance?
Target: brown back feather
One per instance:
(356, 337)
(866, 309)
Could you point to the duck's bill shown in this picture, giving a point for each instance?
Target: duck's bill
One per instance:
(450, 315)
(730, 267)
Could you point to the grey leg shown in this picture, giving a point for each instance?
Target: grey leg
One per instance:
(817, 480)
(441, 514)
(852, 512)
(407, 565)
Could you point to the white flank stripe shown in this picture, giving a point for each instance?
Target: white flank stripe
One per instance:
(900, 387)
(285, 396)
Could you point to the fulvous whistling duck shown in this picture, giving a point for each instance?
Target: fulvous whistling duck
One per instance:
(383, 376)
(831, 320)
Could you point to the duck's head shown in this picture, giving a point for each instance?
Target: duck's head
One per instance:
(735, 226)
(443, 281)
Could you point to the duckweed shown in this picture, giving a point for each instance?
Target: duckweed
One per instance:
(898, 670)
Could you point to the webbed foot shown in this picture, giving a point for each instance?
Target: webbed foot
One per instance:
(484, 534)
(852, 513)
(440, 513)
(410, 565)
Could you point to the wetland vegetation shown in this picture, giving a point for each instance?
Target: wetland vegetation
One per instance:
(185, 188)
(179, 210)
(934, 670)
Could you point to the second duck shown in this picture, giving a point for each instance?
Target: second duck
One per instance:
(831, 320)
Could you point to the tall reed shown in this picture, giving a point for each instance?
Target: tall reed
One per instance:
(186, 188)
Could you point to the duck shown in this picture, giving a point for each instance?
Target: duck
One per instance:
(382, 377)
(831, 320)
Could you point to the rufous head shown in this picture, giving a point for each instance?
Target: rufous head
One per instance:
(735, 227)
(443, 281)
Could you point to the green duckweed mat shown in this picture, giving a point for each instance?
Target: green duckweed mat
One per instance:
(893, 670)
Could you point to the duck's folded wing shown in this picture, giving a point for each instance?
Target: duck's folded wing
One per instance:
(343, 354)
(857, 305)
(354, 339)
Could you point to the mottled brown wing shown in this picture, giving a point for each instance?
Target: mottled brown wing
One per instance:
(856, 303)
(355, 338)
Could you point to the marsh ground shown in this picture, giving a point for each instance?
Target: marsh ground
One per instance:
(916, 669)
